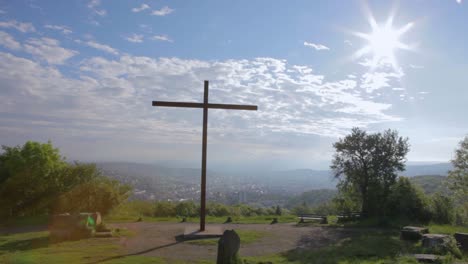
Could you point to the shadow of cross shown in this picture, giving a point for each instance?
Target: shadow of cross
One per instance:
(205, 105)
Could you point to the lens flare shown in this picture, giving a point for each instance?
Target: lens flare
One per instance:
(383, 41)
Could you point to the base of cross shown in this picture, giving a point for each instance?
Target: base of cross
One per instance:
(211, 231)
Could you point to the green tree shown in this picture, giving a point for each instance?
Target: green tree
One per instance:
(36, 179)
(442, 209)
(99, 194)
(458, 177)
(458, 181)
(368, 164)
(408, 201)
(30, 178)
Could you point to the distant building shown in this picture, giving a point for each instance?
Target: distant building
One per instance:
(242, 197)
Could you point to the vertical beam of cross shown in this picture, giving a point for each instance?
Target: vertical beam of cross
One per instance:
(205, 105)
(204, 149)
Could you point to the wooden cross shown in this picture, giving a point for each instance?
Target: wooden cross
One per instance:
(205, 105)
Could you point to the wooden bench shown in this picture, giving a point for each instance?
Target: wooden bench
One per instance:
(344, 217)
(312, 217)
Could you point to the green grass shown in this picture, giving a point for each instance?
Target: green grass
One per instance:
(447, 229)
(25, 221)
(35, 247)
(246, 237)
(367, 247)
(209, 219)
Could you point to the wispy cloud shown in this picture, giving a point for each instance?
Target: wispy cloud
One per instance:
(459, 1)
(2, 12)
(8, 41)
(23, 27)
(135, 38)
(49, 50)
(316, 46)
(372, 81)
(63, 29)
(94, 6)
(412, 66)
(140, 8)
(109, 95)
(162, 38)
(99, 46)
(163, 11)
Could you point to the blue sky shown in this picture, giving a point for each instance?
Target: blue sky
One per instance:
(83, 74)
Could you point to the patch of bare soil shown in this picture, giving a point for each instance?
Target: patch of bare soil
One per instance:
(159, 239)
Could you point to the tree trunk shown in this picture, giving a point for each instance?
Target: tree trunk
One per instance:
(365, 204)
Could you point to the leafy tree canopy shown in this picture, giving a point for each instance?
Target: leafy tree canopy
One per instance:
(35, 179)
(367, 164)
(458, 177)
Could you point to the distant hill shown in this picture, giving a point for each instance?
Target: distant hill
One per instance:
(428, 169)
(162, 183)
(430, 183)
(312, 198)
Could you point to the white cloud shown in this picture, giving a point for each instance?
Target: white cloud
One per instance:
(316, 46)
(94, 6)
(49, 50)
(109, 100)
(141, 8)
(63, 29)
(135, 38)
(348, 42)
(163, 11)
(291, 100)
(99, 46)
(23, 27)
(8, 41)
(376, 80)
(2, 12)
(412, 66)
(459, 1)
(162, 38)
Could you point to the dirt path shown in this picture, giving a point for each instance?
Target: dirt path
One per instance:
(159, 239)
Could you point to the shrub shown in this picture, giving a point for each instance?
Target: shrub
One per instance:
(186, 209)
(442, 209)
(164, 209)
(408, 201)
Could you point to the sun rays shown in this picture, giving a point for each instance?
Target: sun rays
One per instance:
(383, 42)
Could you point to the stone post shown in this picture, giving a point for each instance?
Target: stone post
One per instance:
(228, 247)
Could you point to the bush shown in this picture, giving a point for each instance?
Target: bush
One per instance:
(98, 195)
(442, 209)
(164, 209)
(186, 209)
(409, 202)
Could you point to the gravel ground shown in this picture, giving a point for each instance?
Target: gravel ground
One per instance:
(159, 239)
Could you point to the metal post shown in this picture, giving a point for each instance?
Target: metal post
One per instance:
(203, 175)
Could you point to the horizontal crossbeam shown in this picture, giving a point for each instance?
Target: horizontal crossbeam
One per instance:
(201, 105)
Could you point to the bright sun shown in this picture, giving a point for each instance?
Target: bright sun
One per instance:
(383, 41)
